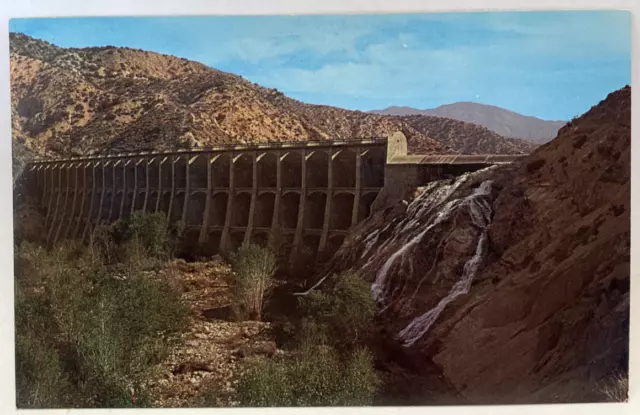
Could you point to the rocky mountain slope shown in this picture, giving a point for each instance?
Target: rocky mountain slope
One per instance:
(100, 99)
(512, 283)
(499, 120)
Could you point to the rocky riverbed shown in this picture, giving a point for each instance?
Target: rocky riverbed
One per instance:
(214, 350)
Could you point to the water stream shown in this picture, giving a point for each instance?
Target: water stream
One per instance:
(480, 211)
(434, 205)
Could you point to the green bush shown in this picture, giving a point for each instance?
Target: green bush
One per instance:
(254, 268)
(149, 230)
(30, 261)
(82, 330)
(125, 329)
(360, 382)
(341, 316)
(138, 241)
(267, 384)
(40, 379)
(102, 244)
(314, 377)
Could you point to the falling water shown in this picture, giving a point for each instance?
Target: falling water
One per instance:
(480, 211)
(421, 208)
(431, 208)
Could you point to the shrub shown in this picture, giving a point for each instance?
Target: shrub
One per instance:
(615, 388)
(341, 316)
(40, 380)
(254, 267)
(138, 240)
(82, 331)
(360, 381)
(267, 384)
(329, 367)
(209, 397)
(30, 261)
(152, 229)
(314, 377)
(102, 244)
(178, 230)
(143, 238)
(124, 333)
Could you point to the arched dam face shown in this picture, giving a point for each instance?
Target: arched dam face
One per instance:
(302, 196)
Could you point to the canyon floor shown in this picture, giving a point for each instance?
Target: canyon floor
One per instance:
(214, 349)
(203, 365)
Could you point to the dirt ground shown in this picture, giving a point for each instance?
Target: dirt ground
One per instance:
(214, 349)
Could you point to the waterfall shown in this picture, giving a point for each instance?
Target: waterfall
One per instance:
(386, 256)
(480, 211)
(422, 207)
(389, 252)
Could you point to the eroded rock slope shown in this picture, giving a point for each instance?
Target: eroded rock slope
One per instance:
(513, 282)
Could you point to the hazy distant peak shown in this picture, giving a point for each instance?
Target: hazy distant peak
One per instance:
(499, 120)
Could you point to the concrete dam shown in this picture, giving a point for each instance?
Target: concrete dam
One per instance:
(303, 195)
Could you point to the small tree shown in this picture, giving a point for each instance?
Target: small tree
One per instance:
(149, 230)
(253, 268)
(342, 316)
(138, 241)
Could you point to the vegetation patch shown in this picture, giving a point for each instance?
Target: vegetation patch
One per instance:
(254, 268)
(329, 363)
(88, 333)
(313, 377)
(341, 316)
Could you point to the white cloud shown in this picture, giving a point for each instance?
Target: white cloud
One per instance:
(284, 37)
(391, 68)
(568, 32)
(384, 70)
(386, 59)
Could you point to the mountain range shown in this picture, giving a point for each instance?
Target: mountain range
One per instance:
(499, 120)
(69, 101)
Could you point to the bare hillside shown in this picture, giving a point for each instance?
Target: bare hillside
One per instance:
(100, 99)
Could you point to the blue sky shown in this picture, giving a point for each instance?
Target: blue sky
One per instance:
(553, 65)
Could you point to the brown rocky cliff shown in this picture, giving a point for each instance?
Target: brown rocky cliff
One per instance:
(543, 316)
(77, 101)
(549, 316)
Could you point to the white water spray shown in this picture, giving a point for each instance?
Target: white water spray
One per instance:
(432, 198)
(480, 211)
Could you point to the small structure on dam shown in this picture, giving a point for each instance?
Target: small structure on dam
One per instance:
(305, 194)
